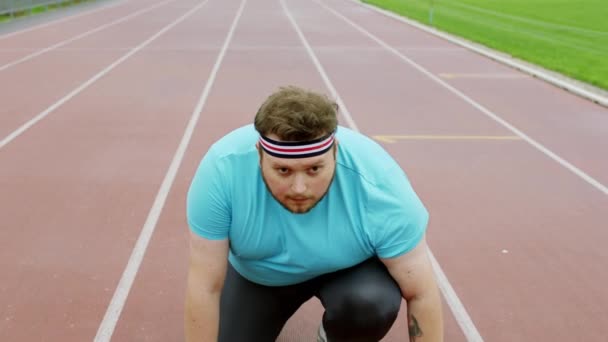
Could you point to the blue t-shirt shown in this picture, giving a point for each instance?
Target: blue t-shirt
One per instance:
(370, 209)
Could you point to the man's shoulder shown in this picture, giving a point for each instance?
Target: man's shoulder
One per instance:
(362, 155)
(239, 141)
(360, 144)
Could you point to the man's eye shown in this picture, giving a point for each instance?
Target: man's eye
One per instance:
(283, 170)
(315, 169)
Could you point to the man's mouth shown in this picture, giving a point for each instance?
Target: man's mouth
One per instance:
(299, 199)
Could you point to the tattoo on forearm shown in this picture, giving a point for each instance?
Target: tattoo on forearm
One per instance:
(414, 328)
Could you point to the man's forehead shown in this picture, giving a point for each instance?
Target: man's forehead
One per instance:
(298, 161)
(275, 137)
(295, 162)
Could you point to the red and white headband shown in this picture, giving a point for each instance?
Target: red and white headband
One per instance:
(297, 149)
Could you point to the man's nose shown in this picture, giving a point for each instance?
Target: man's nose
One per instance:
(299, 184)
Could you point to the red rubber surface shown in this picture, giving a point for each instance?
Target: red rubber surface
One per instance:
(77, 186)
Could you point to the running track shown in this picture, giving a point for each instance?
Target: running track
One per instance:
(101, 134)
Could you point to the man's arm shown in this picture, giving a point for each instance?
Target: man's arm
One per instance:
(206, 274)
(414, 274)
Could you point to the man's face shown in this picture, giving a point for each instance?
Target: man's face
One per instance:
(298, 184)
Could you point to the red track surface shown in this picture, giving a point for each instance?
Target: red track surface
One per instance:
(78, 185)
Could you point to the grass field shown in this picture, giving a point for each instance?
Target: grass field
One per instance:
(568, 36)
(38, 9)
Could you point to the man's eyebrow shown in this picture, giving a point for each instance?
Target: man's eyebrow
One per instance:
(317, 163)
(277, 164)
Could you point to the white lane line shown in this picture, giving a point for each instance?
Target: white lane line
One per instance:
(495, 76)
(121, 3)
(458, 310)
(106, 328)
(92, 80)
(82, 35)
(391, 139)
(343, 109)
(557, 81)
(246, 48)
(596, 184)
(460, 313)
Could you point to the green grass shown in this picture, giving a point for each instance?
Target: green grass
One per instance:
(39, 9)
(568, 36)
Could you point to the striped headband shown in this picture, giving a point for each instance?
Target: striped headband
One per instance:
(297, 149)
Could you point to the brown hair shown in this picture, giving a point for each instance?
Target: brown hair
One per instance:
(296, 114)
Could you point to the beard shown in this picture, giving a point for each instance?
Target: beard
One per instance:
(303, 210)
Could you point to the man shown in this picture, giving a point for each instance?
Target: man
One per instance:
(294, 207)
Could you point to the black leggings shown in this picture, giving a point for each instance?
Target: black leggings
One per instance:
(361, 304)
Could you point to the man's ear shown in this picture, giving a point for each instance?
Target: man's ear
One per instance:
(335, 148)
(260, 153)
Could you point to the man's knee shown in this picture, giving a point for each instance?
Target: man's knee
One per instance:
(365, 307)
(364, 315)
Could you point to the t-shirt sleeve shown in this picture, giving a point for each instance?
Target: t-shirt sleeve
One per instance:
(208, 207)
(397, 218)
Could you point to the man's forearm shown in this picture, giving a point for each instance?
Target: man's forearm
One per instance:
(201, 317)
(425, 321)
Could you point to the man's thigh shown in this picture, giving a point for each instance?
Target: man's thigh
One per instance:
(253, 312)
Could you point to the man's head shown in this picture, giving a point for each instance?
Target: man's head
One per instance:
(297, 146)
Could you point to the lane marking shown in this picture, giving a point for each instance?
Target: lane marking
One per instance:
(596, 184)
(82, 35)
(432, 49)
(239, 47)
(458, 310)
(534, 71)
(343, 109)
(483, 76)
(85, 85)
(61, 20)
(460, 313)
(107, 326)
(391, 139)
